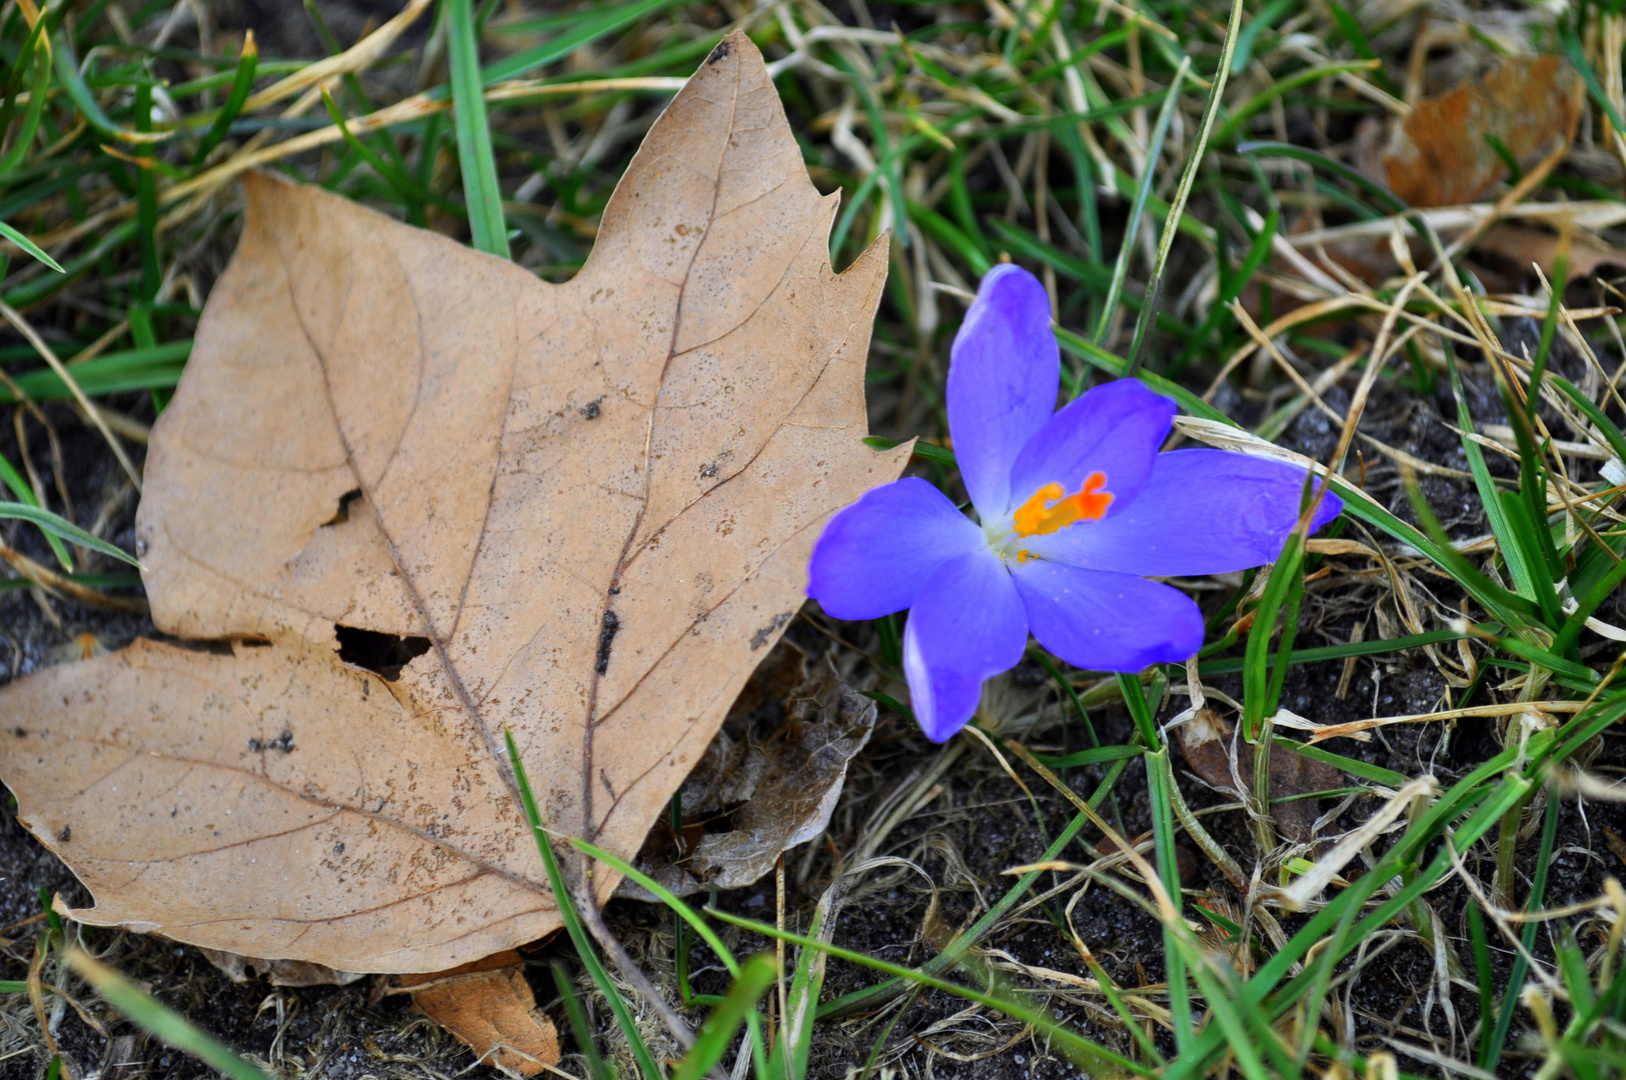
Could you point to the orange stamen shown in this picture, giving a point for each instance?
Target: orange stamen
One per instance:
(1048, 510)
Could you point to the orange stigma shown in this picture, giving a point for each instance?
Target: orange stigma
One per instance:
(1048, 509)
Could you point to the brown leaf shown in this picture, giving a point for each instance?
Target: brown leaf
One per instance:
(489, 1006)
(1518, 246)
(777, 767)
(1205, 743)
(580, 513)
(1440, 156)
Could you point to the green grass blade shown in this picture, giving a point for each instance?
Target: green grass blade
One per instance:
(481, 192)
(1534, 543)
(38, 290)
(1255, 258)
(64, 528)
(405, 185)
(573, 924)
(29, 246)
(667, 897)
(1351, 30)
(583, 31)
(1159, 781)
(241, 85)
(1486, 977)
(949, 235)
(1606, 427)
(756, 975)
(1098, 1060)
(73, 83)
(1519, 567)
(1188, 177)
(1492, 1055)
(1586, 604)
(1257, 683)
(1363, 769)
(37, 47)
(1509, 608)
(146, 199)
(25, 495)
(1094, 756)
(1126, 251)
(926, 451)
(802, 1002)
(1375, 647)
(1571, 44)
(576, 1017)
(1242, 1027)
(163, 1023)
(94, 581)
(144, 368)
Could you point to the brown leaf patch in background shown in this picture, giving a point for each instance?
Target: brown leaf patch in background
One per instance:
(1205, 743)
(1440, 154)
(490, 1007)
(770, 779)
(430, 499)
(1515, 248)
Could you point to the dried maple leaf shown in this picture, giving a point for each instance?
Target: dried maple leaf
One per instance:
(1440, 154)
(580, 512)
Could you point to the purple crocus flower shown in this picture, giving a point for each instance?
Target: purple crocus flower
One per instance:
(1075, 506)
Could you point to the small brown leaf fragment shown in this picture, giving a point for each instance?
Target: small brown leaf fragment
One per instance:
(1440, 154)
(489, 1006)
(578, 514)
(1206, 742)
(122, 1058)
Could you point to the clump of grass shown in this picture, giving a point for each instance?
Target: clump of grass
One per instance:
(1182, 177)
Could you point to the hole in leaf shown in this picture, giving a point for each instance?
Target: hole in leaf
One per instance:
(383, 654)
(342, 515)
(212, 646)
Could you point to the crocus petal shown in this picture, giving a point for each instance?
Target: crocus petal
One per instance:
(1113, 429)
(1201, 512)
(1107, 622)
(874, 556)
(1004, 372)
(966, 625)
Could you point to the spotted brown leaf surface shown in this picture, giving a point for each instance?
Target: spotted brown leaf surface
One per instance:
(424, 498)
